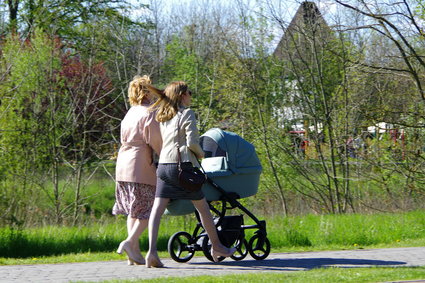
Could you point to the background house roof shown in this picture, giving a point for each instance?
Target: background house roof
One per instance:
(307, 25)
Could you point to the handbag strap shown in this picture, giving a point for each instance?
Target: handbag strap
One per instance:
(177, 143)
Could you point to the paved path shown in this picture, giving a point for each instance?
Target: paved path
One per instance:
(276, 262)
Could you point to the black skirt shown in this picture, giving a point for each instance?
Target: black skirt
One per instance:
(167, 185)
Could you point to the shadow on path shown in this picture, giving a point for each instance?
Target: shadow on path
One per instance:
(308, 263)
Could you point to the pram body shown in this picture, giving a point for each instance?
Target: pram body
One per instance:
(233, 171)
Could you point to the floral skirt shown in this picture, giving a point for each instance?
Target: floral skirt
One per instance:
(133, 199)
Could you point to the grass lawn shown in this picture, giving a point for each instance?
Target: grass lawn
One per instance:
(98, 242)
(325, 275)
(287, 234)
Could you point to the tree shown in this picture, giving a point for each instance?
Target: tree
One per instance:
(29, 101)
(391, 72)
(87, 143)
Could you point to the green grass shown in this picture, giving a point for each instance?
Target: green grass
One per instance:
(325, 275)
(286, 234)
(69, 258)
(347, 231)
(97, 237)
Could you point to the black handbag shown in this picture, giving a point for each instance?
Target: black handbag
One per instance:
(191, 178)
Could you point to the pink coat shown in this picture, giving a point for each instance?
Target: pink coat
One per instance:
(140, 138)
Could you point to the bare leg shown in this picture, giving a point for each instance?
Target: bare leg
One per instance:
(130, 237)
(130, 224)
(134, 232)
(217, 249)
(159, 206)
(135, 228)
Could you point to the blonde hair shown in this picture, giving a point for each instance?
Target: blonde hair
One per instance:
(138, 90)
(169, 101)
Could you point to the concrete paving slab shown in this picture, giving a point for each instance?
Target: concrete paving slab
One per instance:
(276, 262)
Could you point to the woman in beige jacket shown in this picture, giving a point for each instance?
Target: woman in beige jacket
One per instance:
(135, 168)
(178, 125)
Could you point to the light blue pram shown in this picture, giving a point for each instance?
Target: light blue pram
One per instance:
(231, 162)
(233, 171)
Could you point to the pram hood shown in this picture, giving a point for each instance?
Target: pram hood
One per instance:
(237, 155)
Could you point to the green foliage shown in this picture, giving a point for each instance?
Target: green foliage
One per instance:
(27, 97)
(63, 17)
(184, 63)
(65, 71)
(52, 115)
(29, 101)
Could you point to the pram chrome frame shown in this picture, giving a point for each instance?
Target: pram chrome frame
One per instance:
(182, 245)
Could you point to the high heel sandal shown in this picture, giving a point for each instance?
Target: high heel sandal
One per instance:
(133, 258)
(216, 254)
(153, 262)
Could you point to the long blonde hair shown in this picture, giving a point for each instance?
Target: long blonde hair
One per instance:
(169, 101)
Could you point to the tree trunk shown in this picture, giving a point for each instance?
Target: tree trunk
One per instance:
(13, 15)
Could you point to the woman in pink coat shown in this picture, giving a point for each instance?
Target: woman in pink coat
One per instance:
(135, 168)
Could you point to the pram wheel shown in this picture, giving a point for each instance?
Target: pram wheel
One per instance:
(180, 248)
(259, 247)
(206, 249)
(241, 249)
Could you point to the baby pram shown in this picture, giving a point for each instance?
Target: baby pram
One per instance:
(233, 171)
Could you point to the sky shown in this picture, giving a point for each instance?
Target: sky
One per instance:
(287, 8)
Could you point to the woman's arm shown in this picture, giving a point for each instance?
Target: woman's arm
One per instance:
(188, 122)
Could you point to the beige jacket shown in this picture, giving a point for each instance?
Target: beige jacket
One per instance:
(187, 138)
(140, 138)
